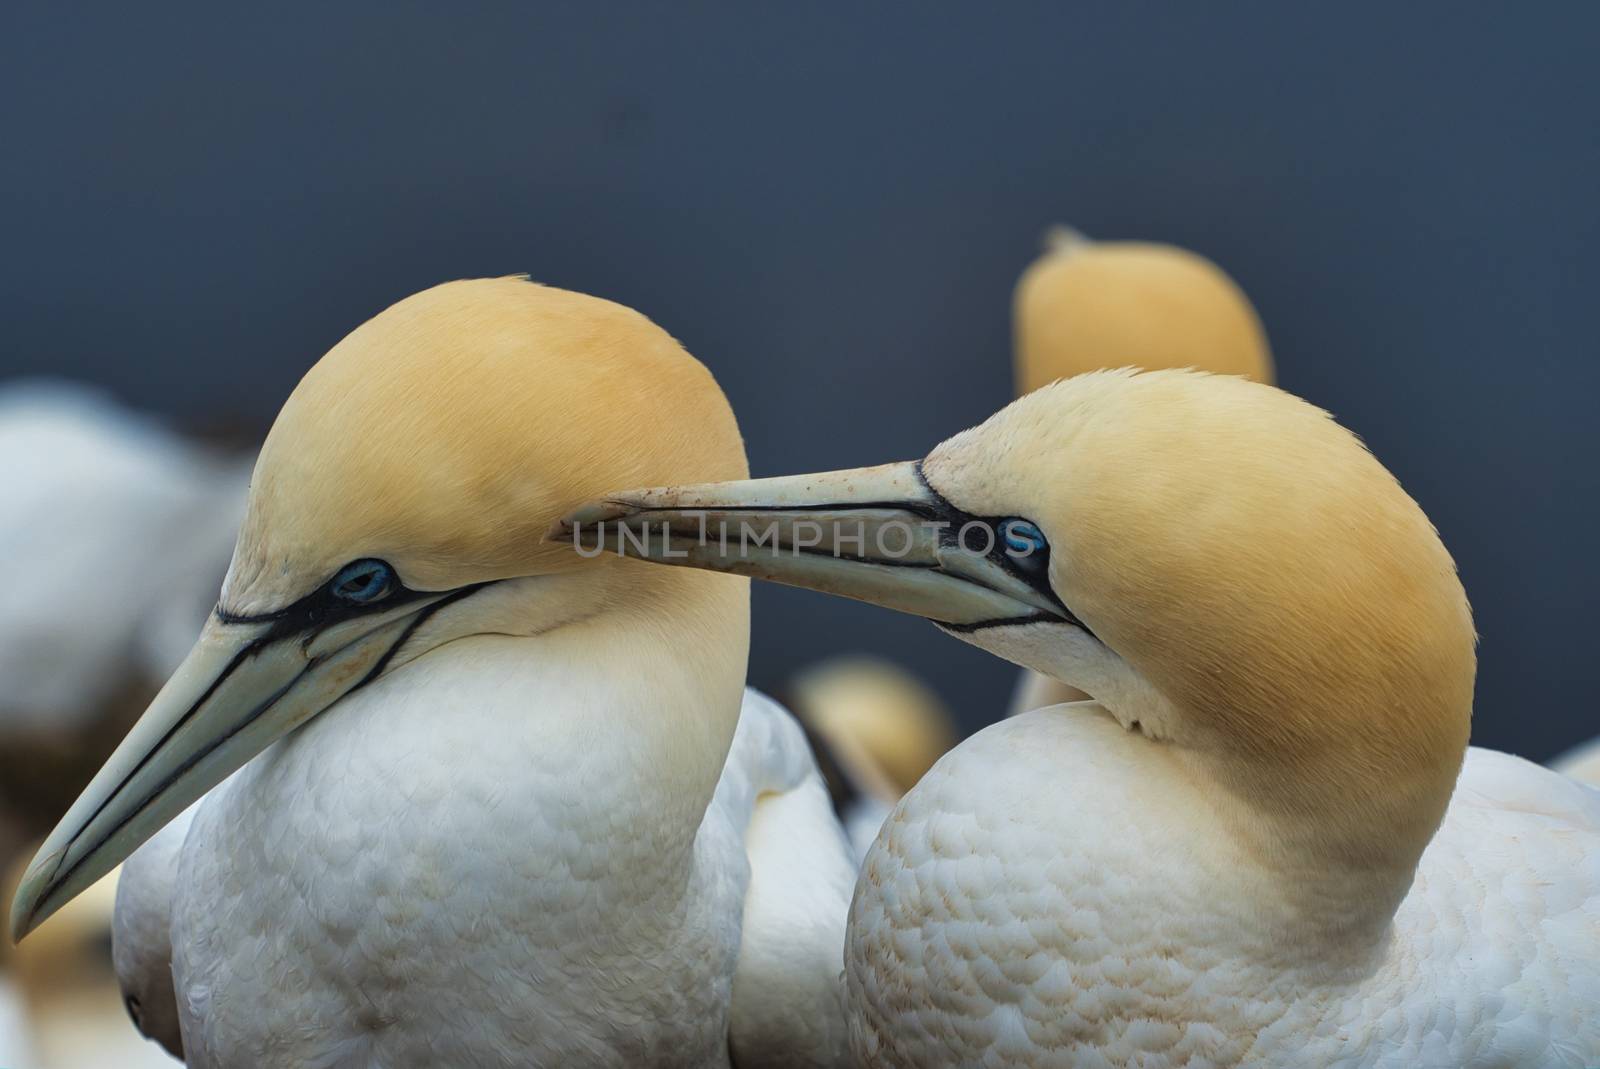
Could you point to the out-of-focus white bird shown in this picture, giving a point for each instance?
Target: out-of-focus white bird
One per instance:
(511, 806)
(114, 535)
(1089, 305)
(65, 1009)
(1258, 844)
(880, 725)
(16, 1035)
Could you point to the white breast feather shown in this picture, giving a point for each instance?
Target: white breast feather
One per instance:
(141, 939)
(406, 882)
(1044, 897)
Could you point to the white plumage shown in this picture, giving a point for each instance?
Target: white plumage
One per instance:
(142, 935)
(1080, 908)
(551, 980)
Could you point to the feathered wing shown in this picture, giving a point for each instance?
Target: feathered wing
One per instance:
(786, 1010)
(1509, 890)
(141, 937)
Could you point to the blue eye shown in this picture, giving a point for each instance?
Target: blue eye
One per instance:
(1023, 539)
(363, 582)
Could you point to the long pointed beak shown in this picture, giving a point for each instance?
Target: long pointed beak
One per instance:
(245, 685)
(879, 535)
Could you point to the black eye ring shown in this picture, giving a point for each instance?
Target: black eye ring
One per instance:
(363, 582)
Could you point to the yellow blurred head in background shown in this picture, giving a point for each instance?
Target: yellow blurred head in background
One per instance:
(1087, 305)
(884, 724)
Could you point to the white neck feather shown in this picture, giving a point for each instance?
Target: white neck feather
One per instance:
(641, 694)
(1299, 891)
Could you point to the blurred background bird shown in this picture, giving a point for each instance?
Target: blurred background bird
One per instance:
(1085, 305)
(71, 1007)
(114, 534)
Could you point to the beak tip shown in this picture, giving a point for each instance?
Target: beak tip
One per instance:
(21, 922)
(31, 893)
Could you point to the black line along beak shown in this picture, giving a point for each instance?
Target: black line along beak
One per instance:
(879, 535)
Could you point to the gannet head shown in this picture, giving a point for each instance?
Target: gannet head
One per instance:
(1086, 305)
(1218, 563)
(400, 502)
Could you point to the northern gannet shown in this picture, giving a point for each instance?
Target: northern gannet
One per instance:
(1087, 305)
(503, 806)
(880, 724)
(1258, 845)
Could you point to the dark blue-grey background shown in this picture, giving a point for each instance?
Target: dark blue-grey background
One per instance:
(829, 204)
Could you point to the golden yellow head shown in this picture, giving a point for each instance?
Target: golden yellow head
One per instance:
(447, 434)
(1087, 305)
(401, 503)
(1252, 561)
